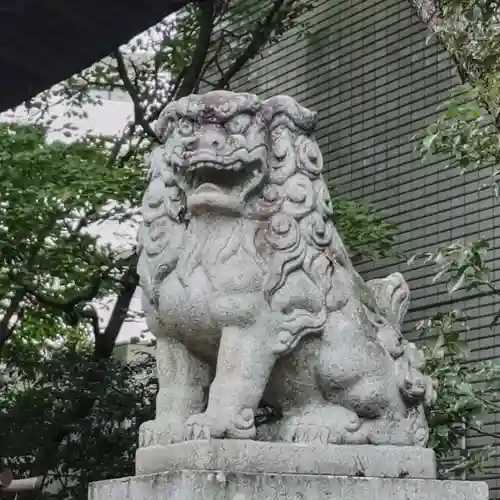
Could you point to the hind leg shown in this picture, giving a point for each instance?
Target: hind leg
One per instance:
(307, 417)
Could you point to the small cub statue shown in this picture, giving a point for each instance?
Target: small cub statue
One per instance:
(251, 294)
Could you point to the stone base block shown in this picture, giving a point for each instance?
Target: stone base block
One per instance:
(218, 485)
(247, 470)
(235, 455)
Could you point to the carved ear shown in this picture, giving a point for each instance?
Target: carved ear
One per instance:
(382, 290)
(165, 123)
(285, 106)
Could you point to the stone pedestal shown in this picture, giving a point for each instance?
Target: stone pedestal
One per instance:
(244, 470)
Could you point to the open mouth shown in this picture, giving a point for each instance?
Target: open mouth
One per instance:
(232, 179)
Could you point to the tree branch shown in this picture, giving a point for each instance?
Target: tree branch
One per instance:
(429, 13)
(189, 77)
(5, 330)
(134, 95)
(68, 305)
(105, 342)
(484, 433)
(156, 113)
(193, 72)
(260, 36)
(94, 382)
(20, 293)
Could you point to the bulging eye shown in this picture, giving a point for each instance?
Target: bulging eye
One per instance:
(238, 124)
(185, 126)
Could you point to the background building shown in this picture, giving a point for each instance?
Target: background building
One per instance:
(368, 70)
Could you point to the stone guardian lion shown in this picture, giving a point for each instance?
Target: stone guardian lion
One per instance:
(252, 296)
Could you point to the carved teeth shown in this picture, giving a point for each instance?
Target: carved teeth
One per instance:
(236, 166)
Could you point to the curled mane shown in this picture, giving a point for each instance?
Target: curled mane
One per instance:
(300, 234)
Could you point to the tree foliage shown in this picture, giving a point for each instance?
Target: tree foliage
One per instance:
(365, 232)
(50, 194)
(467, 129)
(467, 390)
(39, 388)
(466, 395)
(466, 134)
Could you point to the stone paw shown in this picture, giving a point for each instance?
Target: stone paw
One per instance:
(199, 427)
(323, 425)
(310, 434)
(205, 426)
(160, 432)
(411, 430)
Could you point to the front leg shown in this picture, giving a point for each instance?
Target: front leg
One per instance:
(244, 363)
(182, 380)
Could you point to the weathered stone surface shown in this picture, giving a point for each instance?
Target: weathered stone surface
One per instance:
(217, 485)
(231, 455)
(251, 294)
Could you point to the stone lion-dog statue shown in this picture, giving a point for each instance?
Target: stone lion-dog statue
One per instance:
(251, 294)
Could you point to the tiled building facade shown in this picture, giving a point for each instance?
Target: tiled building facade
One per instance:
(367, 68)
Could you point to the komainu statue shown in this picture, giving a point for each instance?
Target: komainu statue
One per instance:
(252, 296)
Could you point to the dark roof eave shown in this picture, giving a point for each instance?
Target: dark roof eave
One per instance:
(44, 42)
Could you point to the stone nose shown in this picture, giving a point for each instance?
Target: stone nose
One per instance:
(212, 140)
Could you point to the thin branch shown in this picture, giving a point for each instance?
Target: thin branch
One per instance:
(260, 36)
(492, 287)
(105, 342)
(5, 329)
(20, 293)
(134, 95)
(68, 305)
(429, 13)
(193, 71)
(215, 59)
(487, 402)
(155, 114)
(484, 433)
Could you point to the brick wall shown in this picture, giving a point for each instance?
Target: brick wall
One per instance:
(366, 68)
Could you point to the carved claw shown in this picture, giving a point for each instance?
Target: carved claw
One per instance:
(196, 431)
(330, 424)
(199, 427)
(311, 434)
(204, 426)
(306, 433)
(154, 432)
